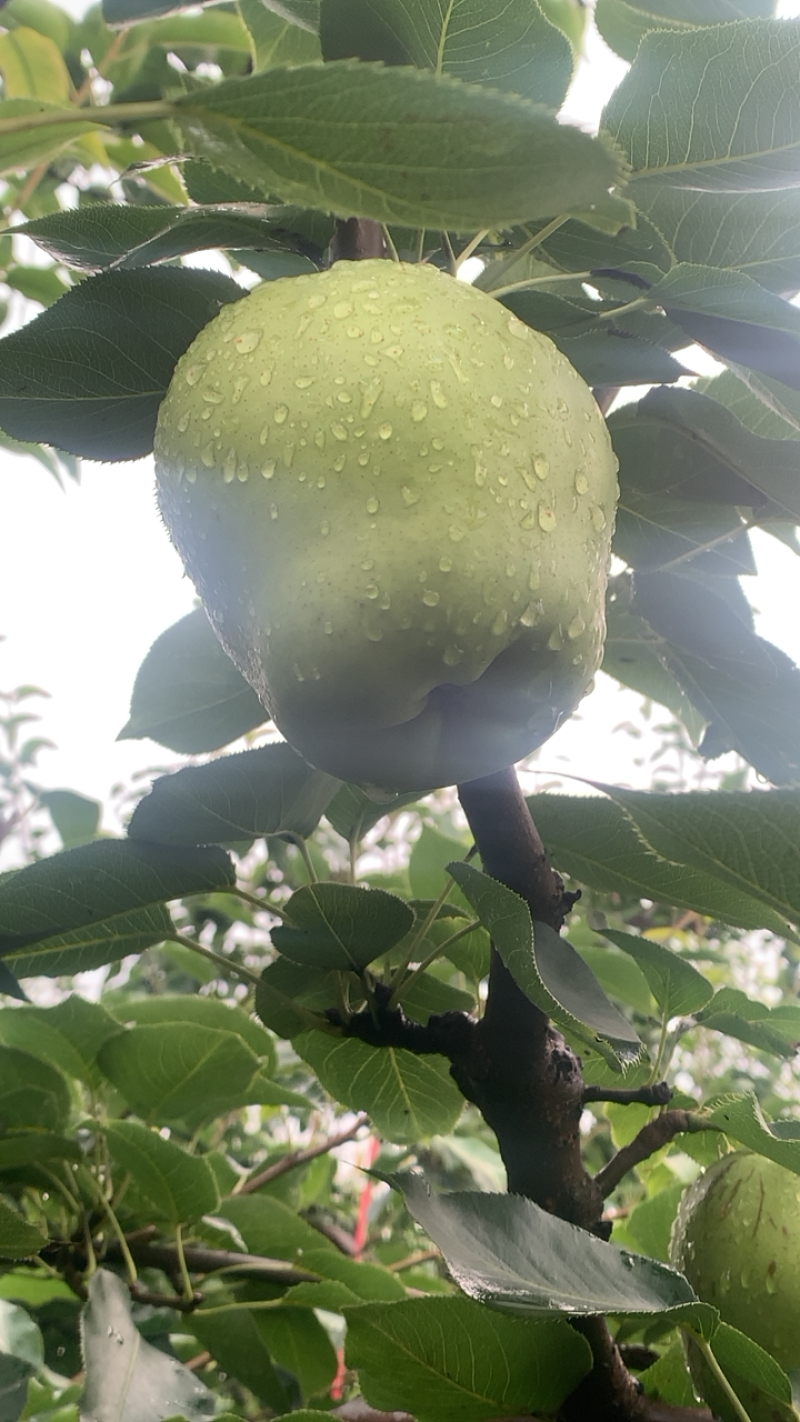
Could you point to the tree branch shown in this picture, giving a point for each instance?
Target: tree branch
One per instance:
(651, 1138)
(657, 1095)
(295, 1158)
(357, 238)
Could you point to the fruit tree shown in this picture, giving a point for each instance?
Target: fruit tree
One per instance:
(421, 513)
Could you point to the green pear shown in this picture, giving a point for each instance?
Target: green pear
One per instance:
(396, 502)
(736, 1238)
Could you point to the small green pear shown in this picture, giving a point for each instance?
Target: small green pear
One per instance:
(736, 1238)
(396, 502)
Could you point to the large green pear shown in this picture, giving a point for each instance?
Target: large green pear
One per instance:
(396, 502)
(737, 1239)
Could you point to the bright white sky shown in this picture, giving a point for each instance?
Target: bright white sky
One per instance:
(88, 580)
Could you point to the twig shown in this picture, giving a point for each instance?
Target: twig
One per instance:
(659, 1094)
(651, 1138)
(296, 1158)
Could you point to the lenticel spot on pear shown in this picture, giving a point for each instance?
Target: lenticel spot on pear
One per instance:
(396, 501)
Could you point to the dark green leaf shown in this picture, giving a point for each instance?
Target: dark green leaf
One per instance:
(741, 1118)
(431, 854)
(179, 1186)
(76, 818)
(68, 1035)
(19, 1239)
(170, 1010)
(598, 843)
(91, 905)
(90, 372)
(545, 966)
(298, 1343)
(677, 986)
(28, 147)
(454, 1358)
(408, 1097)
(612, 357)
(186, 1072)
(746, 688)
(122, 236)
(9, 987)
(127, 1379)
(623, 23)
(353, 813)
(271, 790)
(396, 145)
(32, 1147)
(238, 1345)
(774, 1030)
(505, 1251)
(31, 1092)
(717, 110)
(744, 839)
(287, 993)
(631, 655)
(188, 695)
(341, 926)
(277, 39)
(514, 48)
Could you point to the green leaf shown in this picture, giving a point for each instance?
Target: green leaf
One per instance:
(277, 39)
(746, 688)
(677, 986)
(614, 357)
(505, 1251)
(127, 1379)
(713, 111)
(125, 237)
(742, 1359)
(89, 906)
(19, 1239)
(273, 1231)
(744, 839)
(188, 1072)
(408, 1097)
(180, 1187)
(286, 993)
(188, 695)
(341, 925)
(741, 1119)
(32, 67)
(31, 1092)
(68, 1035)
(431, 855)
(170, 1010)
(515, 48)
(239, 1347)
(600, 844)
(90, 372)
(624, 23)
(76, 818)
(455, 1358)
(353, 813)
(631, 656)
(32, 1147)
(25, 149)
(649, 1225)
(775, 1030)
(271, 790)
(545, 966)
(396, 145)
(298, 1343)
(735, 318)
(752, 232)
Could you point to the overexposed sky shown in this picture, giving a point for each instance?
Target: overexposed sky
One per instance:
(88, 579)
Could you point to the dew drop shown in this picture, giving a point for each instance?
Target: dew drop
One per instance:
(265, 376)
(409, 496)
(452, 656)
(508, 362)
(541, 466)
(374, 634)
(430, 597)
(530, 616)
(213, 397)
(342, 309)
(354, 332)
(598, 518)
(183, 422)
(288, 453)
(517, 329)
(581, 484)
(242, 473)
(369, 396)
(268, 468)
(363, 458)
(280, 414)
(316, 301)
(556, 640)
(547, 518)
(496, 401)
(372, 591)
(445, 564)
(304, 381)
(207, 457)
(193, 374)
(567, 438)
(321, 481)
(344, 397)
(273, 511)
(247, 341)
(534, 579)
(338, 431)
(529, 521)
(338, 464)
(385, 601)
(319, 439)
(191, 474)
(500, 623)
(419, 411)
(264, 436)
(373, 504)
(325, 529)
(455, 533)
(385, 431)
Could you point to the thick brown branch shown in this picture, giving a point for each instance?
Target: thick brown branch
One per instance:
(200, 1260)
(651, 1138)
